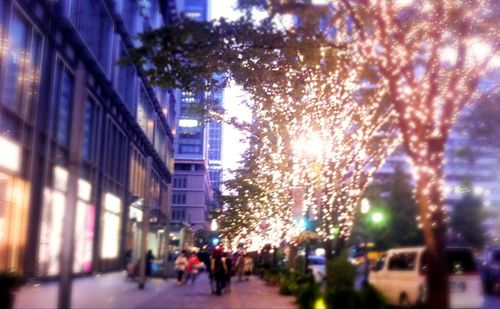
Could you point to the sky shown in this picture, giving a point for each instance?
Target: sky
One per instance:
(232, 146)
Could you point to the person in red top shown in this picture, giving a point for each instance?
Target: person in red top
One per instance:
(192, 268)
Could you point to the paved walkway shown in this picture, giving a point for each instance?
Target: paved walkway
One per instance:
(112, 291)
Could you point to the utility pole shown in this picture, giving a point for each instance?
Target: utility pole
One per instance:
(68, 229)
(145, 223)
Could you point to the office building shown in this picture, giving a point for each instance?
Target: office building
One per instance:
(76, 132)
(192, 191)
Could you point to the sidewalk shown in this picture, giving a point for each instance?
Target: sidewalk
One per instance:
(112, 291)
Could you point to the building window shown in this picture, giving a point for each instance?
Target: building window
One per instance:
(84, 227)
(189, 149)
(125, 81)
(63, 98)
(180, 182)
(52, 225)
(160, 141)
(90, 128)
(96, 27)
(130, 14)
(116, 153)
(145, 114)
(111, 227)
(23, 61)
(137, 173)
(178, 214)
(14, 205)
(179, 198)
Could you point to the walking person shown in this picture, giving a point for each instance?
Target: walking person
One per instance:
(229, 268)
(149, 263)
(240, 266)
(247, 266)
(218, 269)
(192, 268)
(180, 265)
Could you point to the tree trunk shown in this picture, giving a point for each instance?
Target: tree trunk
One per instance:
(328, 250)
(292, 256)
(430, 200)
(339, 246)
(434, 230)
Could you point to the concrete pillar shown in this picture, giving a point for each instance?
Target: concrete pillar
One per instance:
(145, 222)
(75, 147)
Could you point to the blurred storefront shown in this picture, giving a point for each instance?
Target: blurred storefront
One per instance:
(58, 80)
(14, 205)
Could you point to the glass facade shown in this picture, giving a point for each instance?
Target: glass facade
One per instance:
(23, 58)
(125, 81)
(70, 90)
(96, 27)
(63, 101)
(14, 203)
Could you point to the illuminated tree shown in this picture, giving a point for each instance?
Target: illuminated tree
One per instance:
(428, 55)
(432, 55)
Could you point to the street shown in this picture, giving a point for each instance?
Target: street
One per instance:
(112, 291)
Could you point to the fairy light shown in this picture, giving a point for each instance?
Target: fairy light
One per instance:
(432, 55)
(334, 135)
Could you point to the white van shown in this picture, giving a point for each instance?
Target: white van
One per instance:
(400, 276)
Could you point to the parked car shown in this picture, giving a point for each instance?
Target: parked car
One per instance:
(400, 276)
(490, 269)
(317, 267)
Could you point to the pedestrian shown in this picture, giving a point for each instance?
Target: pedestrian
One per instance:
(149, 262)
(248, 266)
(229, 268)
(218, 269)
(240, 266)
(192, 268)
(180, 265)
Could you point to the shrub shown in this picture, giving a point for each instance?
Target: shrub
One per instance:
(300, 263)
(340, 293)
(289, 283)
(308, 291)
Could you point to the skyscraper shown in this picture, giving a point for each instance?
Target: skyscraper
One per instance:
(197, 149)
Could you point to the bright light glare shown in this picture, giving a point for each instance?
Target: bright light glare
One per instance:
(403, 3)
(377, 217)
(320, 2)
(11, 155)
(479, 50)
(188, 123)
(213, 225)
(449, 55)
(112, 203)
(84, 190)
(365, 206)
(310, 146)
(320, 252)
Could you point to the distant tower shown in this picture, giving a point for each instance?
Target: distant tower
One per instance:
(197, 148)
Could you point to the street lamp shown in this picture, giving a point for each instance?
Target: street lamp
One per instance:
(377, 217)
